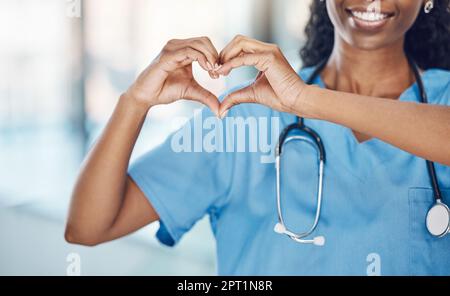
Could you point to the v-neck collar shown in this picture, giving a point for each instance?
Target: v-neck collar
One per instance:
(404, 96)
(360, 158)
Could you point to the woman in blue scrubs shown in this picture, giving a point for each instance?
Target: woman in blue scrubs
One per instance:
(365, 104)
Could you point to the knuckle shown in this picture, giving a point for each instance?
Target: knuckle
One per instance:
(166, 52)
(198, 43)
(172, 41)
(239, 37)
(194, 42)
(275, 48)
(185, 51)
(241, 41)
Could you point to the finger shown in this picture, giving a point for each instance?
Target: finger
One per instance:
(211, 75)
(202, 44)
(241, 44)
(212, 49)
(244, 95)
(197, 93)
(205, 46)
(186, 56)
(232, 44)
(261, 61)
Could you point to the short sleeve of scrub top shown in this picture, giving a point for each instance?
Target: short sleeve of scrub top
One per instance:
(182, 186)
(187, 176)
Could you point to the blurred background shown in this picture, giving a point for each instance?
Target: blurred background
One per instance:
(63, 66)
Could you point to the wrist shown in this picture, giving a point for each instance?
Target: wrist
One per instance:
(135, 104)
(306, 102)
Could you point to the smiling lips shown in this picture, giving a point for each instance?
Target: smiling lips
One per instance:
(369, 20)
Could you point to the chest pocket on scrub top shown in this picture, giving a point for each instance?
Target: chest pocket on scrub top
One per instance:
(428, 255)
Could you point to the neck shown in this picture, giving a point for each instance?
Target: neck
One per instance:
(383, 72)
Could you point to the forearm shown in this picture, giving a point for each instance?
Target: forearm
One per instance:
(420, 129)
(99, 191)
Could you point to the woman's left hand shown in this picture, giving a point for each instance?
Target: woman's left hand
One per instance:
(277, 85)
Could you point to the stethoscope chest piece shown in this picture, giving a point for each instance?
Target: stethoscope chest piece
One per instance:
(438, 219)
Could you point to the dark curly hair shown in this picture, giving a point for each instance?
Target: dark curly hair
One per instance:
(427, 42)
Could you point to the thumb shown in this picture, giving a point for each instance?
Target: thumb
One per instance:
(244, 95)
(197, 93)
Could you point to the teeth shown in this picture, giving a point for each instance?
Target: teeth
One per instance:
(369, 16)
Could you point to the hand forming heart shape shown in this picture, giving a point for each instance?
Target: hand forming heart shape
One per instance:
(170, 78)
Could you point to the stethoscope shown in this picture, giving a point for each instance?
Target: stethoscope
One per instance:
(438, 216)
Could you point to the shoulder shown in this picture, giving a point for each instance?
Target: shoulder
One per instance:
(437, 83)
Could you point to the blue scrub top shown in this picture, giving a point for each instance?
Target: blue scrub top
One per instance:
(375, 197)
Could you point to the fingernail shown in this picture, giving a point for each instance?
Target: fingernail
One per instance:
(210, 67)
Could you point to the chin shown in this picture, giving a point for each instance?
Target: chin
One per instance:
(373, 42)
(368, 45)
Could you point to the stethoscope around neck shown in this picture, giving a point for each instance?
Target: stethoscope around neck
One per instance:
(438, 216)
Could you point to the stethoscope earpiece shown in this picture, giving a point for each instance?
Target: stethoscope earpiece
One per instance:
(281, 229)
(319, 241)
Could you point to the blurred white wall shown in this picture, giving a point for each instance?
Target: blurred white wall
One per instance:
(60, 77)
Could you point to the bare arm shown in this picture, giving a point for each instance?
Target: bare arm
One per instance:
(420, 129)
(106, 204)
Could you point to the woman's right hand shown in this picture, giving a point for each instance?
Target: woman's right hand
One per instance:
(106, 203)
(169, 77)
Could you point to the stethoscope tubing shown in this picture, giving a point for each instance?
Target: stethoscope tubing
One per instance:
(319, 190)
(317, 143)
